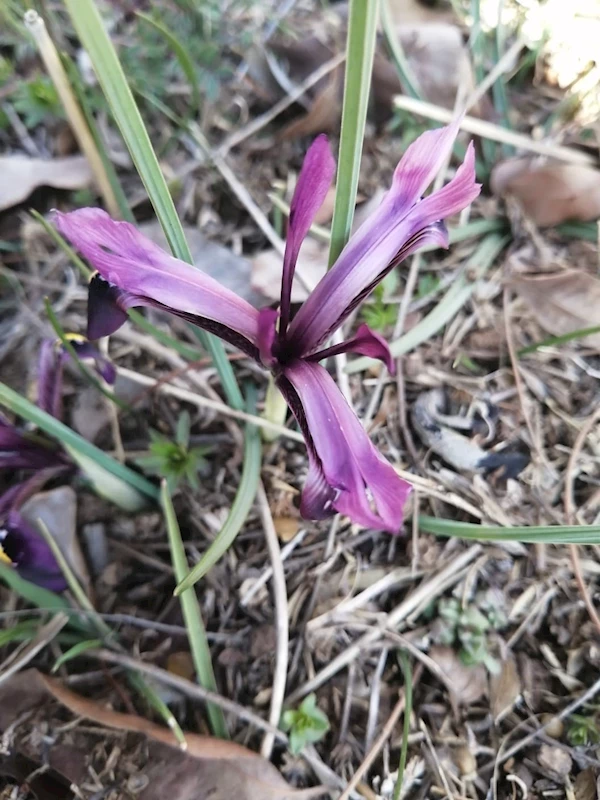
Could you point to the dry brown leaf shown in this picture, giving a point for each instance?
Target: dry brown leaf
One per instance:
(551, 192)
(324, 114)
(505, 689)
(212, 769)
(286, 527)
(22, 174)
(466, 684)
(555, 760)
(586, 786)
(562, 302)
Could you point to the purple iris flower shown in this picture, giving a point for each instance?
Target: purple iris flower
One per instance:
(21, 544)
(346, 472)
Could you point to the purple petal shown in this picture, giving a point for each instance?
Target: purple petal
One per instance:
(311, 189)
(145, 274)
(399, 226)
(19, 452)
(366, 343)
(86, 351)
(24, 546)
(105, 314)
(267, 330)
(347, 474)
(49, 379)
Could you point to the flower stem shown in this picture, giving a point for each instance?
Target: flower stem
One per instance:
(360, 49)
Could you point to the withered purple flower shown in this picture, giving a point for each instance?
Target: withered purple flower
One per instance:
(21, 544)
(346, 472)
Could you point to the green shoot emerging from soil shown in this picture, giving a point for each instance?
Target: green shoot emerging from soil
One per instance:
(174, 460)
(306, 724)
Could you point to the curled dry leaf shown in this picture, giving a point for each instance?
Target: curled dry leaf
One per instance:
(562, 302)
(466, 684)
(210, 769)
(555, 760)
(550, 192)
(586, 787)
(21, 175)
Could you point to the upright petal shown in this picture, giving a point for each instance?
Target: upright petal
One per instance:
(17, 451)
(401, 224)
(144, 274)
(311, 189)
(23, 546)
(49, 383)
(346, 473)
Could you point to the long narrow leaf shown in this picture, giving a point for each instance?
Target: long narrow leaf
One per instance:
(548, 534)
(360, 49)
(192, 615)
(239, 509)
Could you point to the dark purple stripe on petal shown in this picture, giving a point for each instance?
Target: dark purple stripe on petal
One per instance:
(362, 484)
(49, 379)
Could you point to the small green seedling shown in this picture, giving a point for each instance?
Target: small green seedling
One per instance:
(583, 730)
(381, 314)
(174, 460)
(470, 627)
(306, 724)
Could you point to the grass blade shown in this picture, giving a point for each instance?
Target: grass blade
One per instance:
(74, 442)
(182, 56)
(76, 650)
(548, 534)
(92, 33)
(557, 340)
(239, 508)
(408, 79)
(360, 49)
(407, 673)
(192, 616)
(450, 304)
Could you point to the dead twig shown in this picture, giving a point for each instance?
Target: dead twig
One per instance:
(281, 618)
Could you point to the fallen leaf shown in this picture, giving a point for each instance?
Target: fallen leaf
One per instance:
(555, 760)
(21, 175)
(585, 786)
(58, 511)
(210, 769)
(42, 782)
(324, 113)
(466, 684)
(562, 302)
(549, 192)
(505, 689)
(286, 527)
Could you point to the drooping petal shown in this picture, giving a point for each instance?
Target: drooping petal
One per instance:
(49, 379)
(311, 189)
(144, 274)
(346, 474)
(52, 358)
(366, 343)
(22, 545)
(400, 225)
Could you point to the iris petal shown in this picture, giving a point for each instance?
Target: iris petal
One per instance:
(400, 225)
(147, 275)
(347, 474)
(311, 189)
(31, 556)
